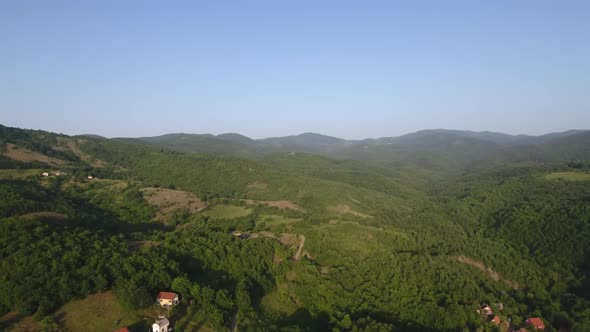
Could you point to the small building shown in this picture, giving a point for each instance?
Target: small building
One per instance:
(89, 177)
(166, 299)
(536, 322)
(123, 329)
(241, 235)
(45, 174)
(496, 320)
(487, 311)
(161, 325)
(57, 173)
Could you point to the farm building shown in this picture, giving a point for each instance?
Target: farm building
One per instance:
(536, 322)
(161, 326)
(167, 299)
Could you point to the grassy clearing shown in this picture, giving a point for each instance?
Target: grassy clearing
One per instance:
(275, 220)
(568, 176)
(226, 212)
(98, 312)
(272, 302)
(330, 242)
(193, 321)
(169, 201)
(21, 174)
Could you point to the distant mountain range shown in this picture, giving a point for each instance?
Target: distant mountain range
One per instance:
(436, 150)
(426, 148)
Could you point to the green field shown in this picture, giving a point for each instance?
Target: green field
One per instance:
(102, 312)
(275, 220)
(568, 176)
(226, 212)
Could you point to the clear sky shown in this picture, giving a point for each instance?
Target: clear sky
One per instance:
(351, 69)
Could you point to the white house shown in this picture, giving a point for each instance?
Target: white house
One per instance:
(45, 174)
(161, 326)
(89, 177)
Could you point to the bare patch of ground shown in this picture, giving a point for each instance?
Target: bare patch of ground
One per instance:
(137, 245)
(298, 254)
(13, 321)
(26, 155)
(278, 204)
(345, 209)
(169, 201)
(73, 146)
(491, 273)
(46, 215)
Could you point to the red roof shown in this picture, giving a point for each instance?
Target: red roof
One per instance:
(167, 296)
(123, 329)
(496, 320)
(536, 323)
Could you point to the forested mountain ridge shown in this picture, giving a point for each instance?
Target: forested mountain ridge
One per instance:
(434, 149)
(413, 240)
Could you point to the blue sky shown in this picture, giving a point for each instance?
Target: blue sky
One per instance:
(351, 69)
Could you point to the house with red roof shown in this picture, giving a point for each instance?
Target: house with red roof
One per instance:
(496, 320)
(123, 329)
(536, 322)
(166, 299)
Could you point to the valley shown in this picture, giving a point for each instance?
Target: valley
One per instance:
(295, 233)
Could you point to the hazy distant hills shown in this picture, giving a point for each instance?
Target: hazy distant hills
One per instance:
(437, 149)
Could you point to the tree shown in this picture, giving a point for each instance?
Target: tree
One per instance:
(183, 286)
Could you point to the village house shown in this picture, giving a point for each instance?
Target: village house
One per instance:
(89, 177)
(536, 322)
(166, 299)
(496, 320)
(241, 235)
(161, 326)
(123, 329)
(45, 174)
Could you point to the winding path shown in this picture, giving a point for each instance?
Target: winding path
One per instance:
(298, 254)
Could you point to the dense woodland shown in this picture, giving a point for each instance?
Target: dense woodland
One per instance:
(415, 242)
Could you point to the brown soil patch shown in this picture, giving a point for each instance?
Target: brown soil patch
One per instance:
(325, 270)
(169, 201)
(491, 273)
(345, 209)
(26, 155)
(278, 204)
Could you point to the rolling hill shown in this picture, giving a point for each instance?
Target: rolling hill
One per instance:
(408, 233)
